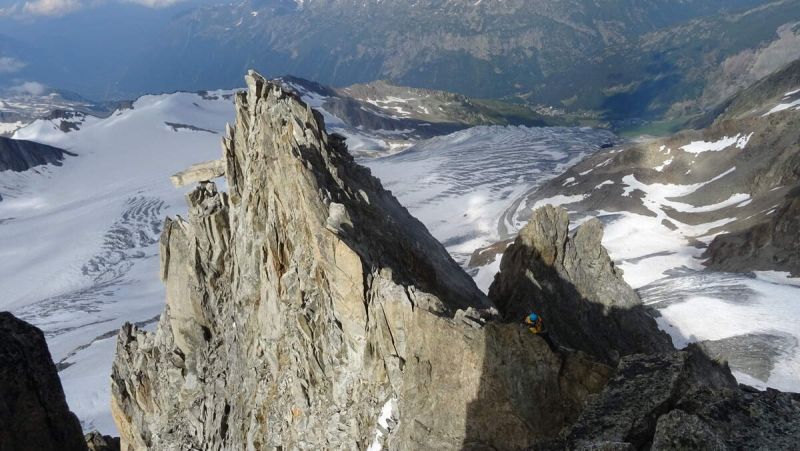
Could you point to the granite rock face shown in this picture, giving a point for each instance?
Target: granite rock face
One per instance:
(306, 309)
(33, 410)
(569, 279)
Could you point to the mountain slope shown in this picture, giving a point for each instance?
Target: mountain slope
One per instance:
(381, 116)
(19, 155)
(564, 54)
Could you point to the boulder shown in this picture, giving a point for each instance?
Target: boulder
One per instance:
(200, 172)
(96, 441)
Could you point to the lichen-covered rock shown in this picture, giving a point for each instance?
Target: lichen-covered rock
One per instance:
(680, 430)
(306, 309)
(569, 279)
(33, 410)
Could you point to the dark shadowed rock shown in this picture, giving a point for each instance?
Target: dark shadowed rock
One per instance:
(773, 244)
(20, 155)
(643, 388)
(33, 410)
(571, 282)
(684, 400)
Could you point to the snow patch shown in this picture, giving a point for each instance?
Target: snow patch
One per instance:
(559, 200)
(779, 277)
(661, 167)
(782, 107)
(386, 422)
(740, 141)
(791, 93)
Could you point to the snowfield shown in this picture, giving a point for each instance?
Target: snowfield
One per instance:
(79, 243)
(461, 184)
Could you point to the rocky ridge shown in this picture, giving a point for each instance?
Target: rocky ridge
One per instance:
(306, 309)
(401, 115)
(771, 244)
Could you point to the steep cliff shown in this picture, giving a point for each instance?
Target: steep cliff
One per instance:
(306, 309)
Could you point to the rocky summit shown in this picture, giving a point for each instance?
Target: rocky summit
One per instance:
(307, 309)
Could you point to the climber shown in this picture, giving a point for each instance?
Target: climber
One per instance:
(535, 322)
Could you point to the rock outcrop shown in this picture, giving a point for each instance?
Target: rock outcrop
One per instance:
(96, 441)
(33, 410)
(684, 401)
(569, 279)
(306, 309)
(773, 244)
(20, 155)
(200, 172)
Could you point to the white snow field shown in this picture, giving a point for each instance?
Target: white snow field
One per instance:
(461, 184)
(79, 243)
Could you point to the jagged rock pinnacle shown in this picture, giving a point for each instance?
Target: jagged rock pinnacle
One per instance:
(571, 281)
(306, 309)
